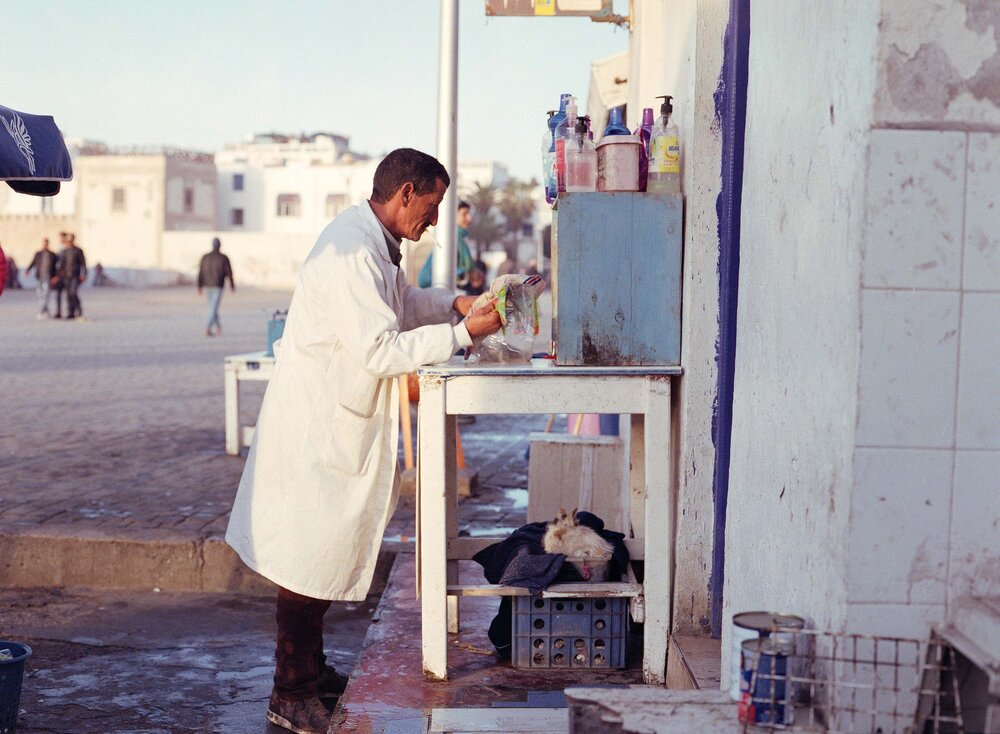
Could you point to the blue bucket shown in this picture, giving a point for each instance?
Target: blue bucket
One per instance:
(11, 675)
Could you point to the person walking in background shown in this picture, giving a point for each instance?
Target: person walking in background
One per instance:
(72, 271)
(464, 266)
(55, 281)
(45, 264)
(212, 274)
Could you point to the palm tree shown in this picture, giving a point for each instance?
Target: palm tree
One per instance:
(516, 207)
(484, 229)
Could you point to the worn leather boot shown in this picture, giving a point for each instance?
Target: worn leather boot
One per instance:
(330, 684)
(305, 716)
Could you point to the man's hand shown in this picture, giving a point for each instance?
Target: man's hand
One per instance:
(462, 304)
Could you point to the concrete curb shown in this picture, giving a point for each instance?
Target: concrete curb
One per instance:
(87, 557)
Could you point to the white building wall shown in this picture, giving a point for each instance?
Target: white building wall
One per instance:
(676, 48)
(810, 93)
(927, 494)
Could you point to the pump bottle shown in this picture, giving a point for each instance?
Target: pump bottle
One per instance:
(664, 176)
(563, 136)
(581, 159)
(552, 182)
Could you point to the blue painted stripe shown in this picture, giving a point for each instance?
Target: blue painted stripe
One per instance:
(730, 110)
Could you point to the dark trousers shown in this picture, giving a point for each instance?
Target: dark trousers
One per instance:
(298, 654)
(73, 298)
(59, 297)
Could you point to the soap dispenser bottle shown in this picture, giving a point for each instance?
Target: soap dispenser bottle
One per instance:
(664, 175)
(552, 182)
(565, 131)
(547, 159)
(644, 132)
(581, 159)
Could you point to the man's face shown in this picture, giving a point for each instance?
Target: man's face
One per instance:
(464, 215)
(45, 244)
(421, 212)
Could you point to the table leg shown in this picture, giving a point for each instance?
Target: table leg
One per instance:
(232, 391)
(659, 543)
(451, 508)
(432, 533)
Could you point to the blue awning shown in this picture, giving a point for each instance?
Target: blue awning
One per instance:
(33, 156)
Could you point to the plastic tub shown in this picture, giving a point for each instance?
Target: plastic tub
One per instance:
(11, 676)
(618, 163)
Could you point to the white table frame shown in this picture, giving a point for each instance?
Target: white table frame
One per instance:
(256, 367)
(541, 387)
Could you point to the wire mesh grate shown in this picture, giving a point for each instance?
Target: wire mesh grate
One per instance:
(836, 683)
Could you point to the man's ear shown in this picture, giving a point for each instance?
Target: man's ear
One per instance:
(406, 193)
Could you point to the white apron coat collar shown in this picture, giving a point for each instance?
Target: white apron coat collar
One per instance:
(376, 230)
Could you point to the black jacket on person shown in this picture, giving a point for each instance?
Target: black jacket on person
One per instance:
(45, 263)
(214, 270)
(72, 264)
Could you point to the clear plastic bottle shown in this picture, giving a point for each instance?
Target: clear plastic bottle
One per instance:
(563, 135)
(664, 175)
(581, 160)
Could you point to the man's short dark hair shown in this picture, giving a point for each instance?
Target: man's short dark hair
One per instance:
(463, 204)
(403, 165)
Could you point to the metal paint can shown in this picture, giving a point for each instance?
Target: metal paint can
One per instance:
(618, 163)
(750, 626)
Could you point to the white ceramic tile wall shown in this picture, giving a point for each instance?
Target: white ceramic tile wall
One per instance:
(981, 268)
(975, 528)
(928, 426)
(900, 516)
(915, 209)
(909, 356)
(979, 373)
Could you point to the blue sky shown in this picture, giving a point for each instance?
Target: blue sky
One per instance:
(202, 73)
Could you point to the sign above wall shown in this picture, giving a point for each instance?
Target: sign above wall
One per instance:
(589, 8)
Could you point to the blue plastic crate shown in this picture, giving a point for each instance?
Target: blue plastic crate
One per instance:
(570, 633)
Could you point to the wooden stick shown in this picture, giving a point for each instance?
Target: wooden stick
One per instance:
(404, 418)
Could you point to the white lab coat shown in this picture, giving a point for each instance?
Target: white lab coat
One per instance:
(321, 479)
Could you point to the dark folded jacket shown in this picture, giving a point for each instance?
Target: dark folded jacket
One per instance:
(521, 560)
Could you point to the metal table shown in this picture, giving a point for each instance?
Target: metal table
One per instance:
(255, 366)
(541, 387)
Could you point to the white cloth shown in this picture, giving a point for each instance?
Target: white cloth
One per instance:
(321, 479)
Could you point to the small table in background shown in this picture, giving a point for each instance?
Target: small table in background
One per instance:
(257, 366)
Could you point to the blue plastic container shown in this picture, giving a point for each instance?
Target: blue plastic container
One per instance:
(11, 677)
(570, 633)
(275, 328)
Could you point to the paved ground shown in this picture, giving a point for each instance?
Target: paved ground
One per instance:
(115, 427)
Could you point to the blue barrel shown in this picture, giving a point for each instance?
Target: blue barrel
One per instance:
(12, 657)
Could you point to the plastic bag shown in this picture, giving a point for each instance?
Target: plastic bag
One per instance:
(517, 302)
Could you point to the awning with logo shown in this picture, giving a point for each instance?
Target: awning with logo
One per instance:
(33, 155)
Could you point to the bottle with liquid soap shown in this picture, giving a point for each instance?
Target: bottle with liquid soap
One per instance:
(644, 132)
(552, 182)
(664, 176)
(564, 133)
(581, 159)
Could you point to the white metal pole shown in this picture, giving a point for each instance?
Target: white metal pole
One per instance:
(446, 233)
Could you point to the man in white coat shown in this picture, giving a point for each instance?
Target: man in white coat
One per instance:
(321, 479)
